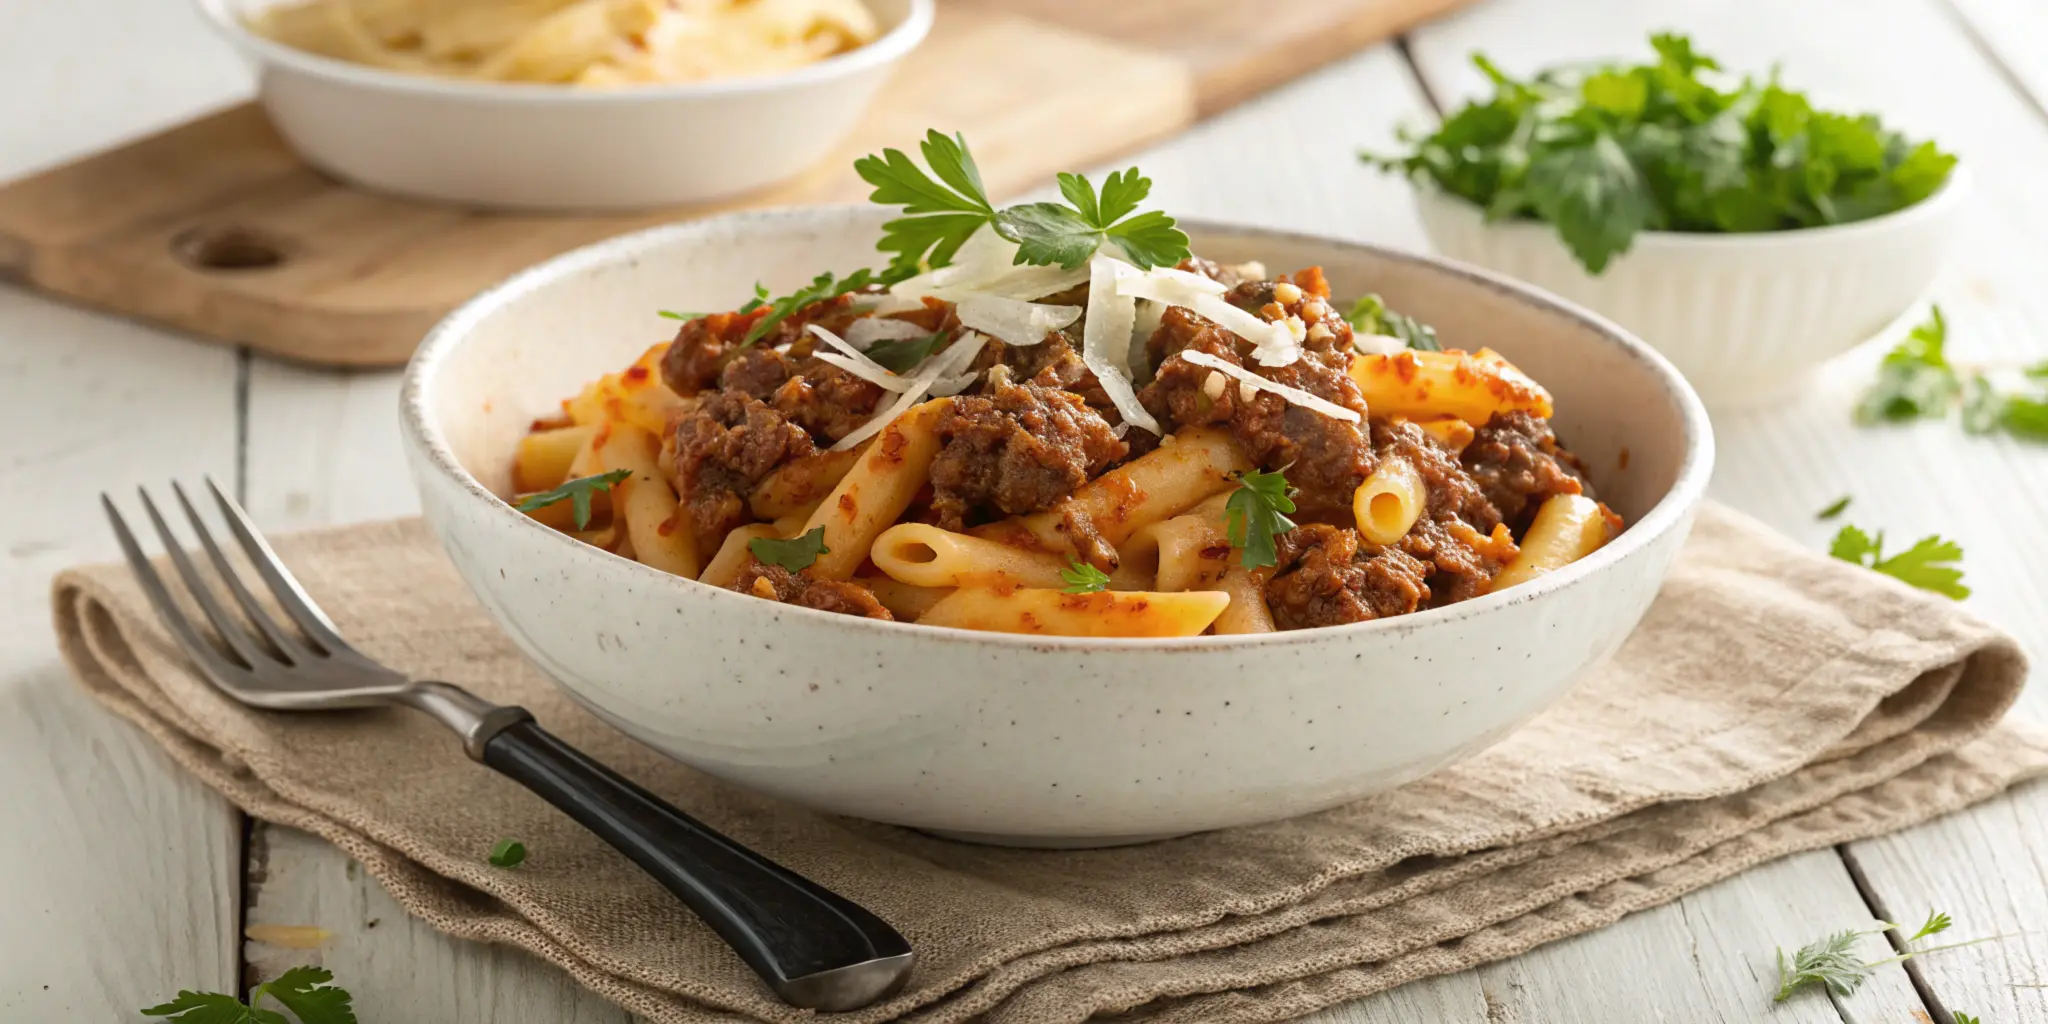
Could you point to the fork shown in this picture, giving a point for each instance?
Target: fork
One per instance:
(815, 948)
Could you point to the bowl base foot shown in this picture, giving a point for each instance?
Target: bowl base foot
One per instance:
(1048, 842)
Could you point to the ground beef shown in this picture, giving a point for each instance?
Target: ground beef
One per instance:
(779, 584)
(1014, 449)
(703, 346)
(1515, 461)
(725, 445)
(757, 372)
(1227, 276)
(1456, 571)
(1324, 579)
(825, 400)
(1052, 363)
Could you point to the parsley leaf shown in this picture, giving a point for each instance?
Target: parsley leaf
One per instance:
(577, 492)
(1253, 516)
(1370, 315)
(899, 356)
(1835, 508)
(1964, 1018)
(823, 287)
(670, 314)
(1049, 233)
(303, 990)
(1915, 379)
(795, 554)
(1929, 564)
(507, 853)
(1604, 153)
(938, 215)
(1082, 578)
(1832, 963)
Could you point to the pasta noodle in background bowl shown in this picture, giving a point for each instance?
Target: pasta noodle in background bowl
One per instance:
(523, 145)
(1033, 740)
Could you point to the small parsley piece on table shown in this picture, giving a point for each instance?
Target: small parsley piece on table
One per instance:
(507, 853)
(1082, 578)
(1832, 963)
(576, 492)
(1929, 564)
(795, 554)
(901, 356)
(1964, 1018)
(1370, 315)
(1835, 508)
(305, 991)
(1915, 380)
(1255, 515)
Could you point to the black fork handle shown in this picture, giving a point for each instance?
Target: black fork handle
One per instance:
(815, 948)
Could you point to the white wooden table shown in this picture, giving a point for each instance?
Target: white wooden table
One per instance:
(122, 880)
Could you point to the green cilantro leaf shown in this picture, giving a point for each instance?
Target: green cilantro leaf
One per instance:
(1254, 516)
(901, 355)
(1929, 564)
(507, 853)
(795, 554)
(1082, 578)
(1915, 379)
(1370, 315)
(1595, 196)
(1835, 508)
(577, 492)
(303, 990)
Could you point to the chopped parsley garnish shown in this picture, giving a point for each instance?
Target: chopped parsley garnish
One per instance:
(1607, 152)
(507, 853)
(795, 554)
(670, 314)
(1082, 578)
(1832, 962)
(900, 355)
(1255, 515)
(1370, 315)
(1917, 380)
(1835, 508)
(944, 208)
(305, 991)
(577, 492)
(824, 286)
(1929, 564)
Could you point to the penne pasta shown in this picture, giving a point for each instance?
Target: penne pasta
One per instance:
(1054, 613)
(1247, 612)
(930, 557)
(875, 491)
(1389, 502)
(543, 457)
(651, 513)
(1194, 550)
(1472, 386)
(801, 485)
(1568, 527)
(733, 556)
(1155, 486)
(907, 601)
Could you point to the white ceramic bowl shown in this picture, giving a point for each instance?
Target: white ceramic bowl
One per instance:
(545, 147)
(1745, 317)
(1029, 740)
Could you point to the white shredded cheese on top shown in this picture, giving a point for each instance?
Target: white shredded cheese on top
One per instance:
(943, 366)
(1273, 343)
(1106, 340)
(1013, 321)
(854, 361)
(1377, 344)
(864, 332)
(1248, 379)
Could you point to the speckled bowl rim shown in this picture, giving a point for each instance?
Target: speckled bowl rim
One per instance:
(1671, 512)
(1944, 202)
(887, 48)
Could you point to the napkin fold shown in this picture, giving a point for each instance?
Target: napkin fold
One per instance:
(1772, 701)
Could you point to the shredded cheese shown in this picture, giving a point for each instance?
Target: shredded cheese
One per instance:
(855, 361)
(864, 332)
(942, 366)
(1013, 321)
(1248, 379)
(1106, 340)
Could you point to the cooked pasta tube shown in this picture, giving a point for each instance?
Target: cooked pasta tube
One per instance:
(1449, 431)
(1469, 385)
(1157, 485)
(1055, 613)
(653, 520)
(733, 556)
(543, 457)
(585, 462)
(800, 485)
(908, 602)
(1247, 612)
(876, 490)
(1389, 502)
(1567, 528)
(931, 557)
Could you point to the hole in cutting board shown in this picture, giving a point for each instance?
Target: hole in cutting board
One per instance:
(227, 248)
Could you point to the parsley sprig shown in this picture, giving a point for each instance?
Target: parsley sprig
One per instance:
(795, 554)
(1370, 315)
(822, 288)
(1834, 508)
(1917, 380)
(576, 492)
(305, 991)
(1832, 963)
(1256, 514)
(1929, 564)
(945, 207)
(1607, 152)
(1082, 578)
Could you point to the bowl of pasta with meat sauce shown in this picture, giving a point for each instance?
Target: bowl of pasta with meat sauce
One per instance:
(1051, 555)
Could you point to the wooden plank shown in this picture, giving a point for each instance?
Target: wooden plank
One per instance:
(1982, 866)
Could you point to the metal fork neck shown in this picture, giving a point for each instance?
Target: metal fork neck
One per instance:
(471, 717)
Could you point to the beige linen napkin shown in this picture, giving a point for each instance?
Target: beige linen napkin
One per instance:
(1773, 701)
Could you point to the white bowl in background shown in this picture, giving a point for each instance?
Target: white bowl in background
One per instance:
(1746, 317)
(549, 147)
(1015, 739)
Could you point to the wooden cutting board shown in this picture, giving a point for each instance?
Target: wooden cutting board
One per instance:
(214, 227)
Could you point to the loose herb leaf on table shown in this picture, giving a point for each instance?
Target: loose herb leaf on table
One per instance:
(1831, 962)
(306, 991)
(1606, 152)
(1917, 380)
(1930, 564)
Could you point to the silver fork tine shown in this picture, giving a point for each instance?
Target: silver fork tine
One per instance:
(174, 618)
(231, 632)
(283, 585)
(286, 645)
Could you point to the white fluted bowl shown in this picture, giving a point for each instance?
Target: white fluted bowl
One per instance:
(1017, 739)
(1746, 317)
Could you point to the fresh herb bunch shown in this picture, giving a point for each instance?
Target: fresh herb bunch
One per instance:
(305, 991)
(577, 493)
(795, 554)
(1832, 962)
(1255, 515)
(1930, 564)
(1917, 380)
(1606, 152)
